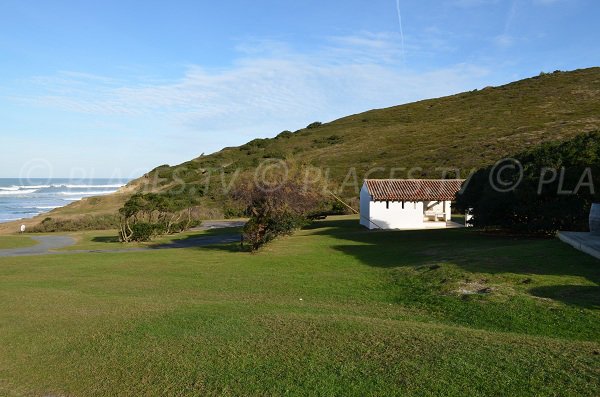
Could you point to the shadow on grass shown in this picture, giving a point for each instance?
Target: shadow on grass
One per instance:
(227, 239)
(106, 239)
(473, 252)
(587, 296)
(222, 238)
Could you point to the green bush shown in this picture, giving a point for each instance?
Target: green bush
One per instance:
(146, 215)
(316, 124)
(285, 134)
(549, 193)
(86, 222)
(260, 230)
(142, 231)
(232, 212)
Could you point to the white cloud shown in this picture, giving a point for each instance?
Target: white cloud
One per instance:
(270, 87)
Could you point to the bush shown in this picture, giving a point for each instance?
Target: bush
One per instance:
(285, 134)
(142, 231)
(86, 222)
(330, 140)
(260, 230)
(146, 215)
(280, 209)
(549, 197)
(316, 124)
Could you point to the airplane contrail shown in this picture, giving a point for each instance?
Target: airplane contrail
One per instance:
(401, 30)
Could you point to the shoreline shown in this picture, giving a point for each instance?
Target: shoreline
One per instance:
(100, 205)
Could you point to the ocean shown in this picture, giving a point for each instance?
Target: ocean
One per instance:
(21, 199)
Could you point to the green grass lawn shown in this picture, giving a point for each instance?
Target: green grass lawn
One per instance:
(332, 310)
(109, 239)
(7, 242)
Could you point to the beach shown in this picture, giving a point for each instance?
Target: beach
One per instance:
(26, 198)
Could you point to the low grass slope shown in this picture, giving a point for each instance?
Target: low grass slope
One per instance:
(331, 310)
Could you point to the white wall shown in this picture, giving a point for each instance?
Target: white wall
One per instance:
(395, 215)
(365, 199)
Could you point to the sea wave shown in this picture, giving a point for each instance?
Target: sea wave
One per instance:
(17, 192)
(62, 185)
(34, 186)
(47, 207)
(91, 186)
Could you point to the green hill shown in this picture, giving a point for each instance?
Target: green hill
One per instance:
(463, 131)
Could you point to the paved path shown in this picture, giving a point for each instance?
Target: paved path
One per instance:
(207, 225)
(585, 242)
(46, 244)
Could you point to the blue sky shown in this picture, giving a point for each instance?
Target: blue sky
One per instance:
(115, 88)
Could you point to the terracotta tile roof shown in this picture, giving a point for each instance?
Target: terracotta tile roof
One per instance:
(413, 189)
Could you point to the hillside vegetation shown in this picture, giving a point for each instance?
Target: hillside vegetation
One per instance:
(464, 131)
(554, 187)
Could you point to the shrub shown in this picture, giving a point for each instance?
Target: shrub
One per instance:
(550, 195)
(166, 213)
(279, 208)
(285, 134)
(316, 124)
(86, 222)
(261, 229)
(330, 140)
(142, 231)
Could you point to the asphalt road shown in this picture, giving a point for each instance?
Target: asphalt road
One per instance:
(44, 245)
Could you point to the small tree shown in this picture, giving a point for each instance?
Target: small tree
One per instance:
(146, 215)
(277, 206)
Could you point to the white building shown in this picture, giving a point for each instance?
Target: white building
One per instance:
(407, 203)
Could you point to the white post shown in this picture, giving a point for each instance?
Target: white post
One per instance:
(468, 217)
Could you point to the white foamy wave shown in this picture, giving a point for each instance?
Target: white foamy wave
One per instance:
(17, 192)
(90, 186)
(98, 193)
(67, 186)
(47, 207)
(73, 199)
(34, 186)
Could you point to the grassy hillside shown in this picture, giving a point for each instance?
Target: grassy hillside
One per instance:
(464, 131)
(461, 131)
(332, 310)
